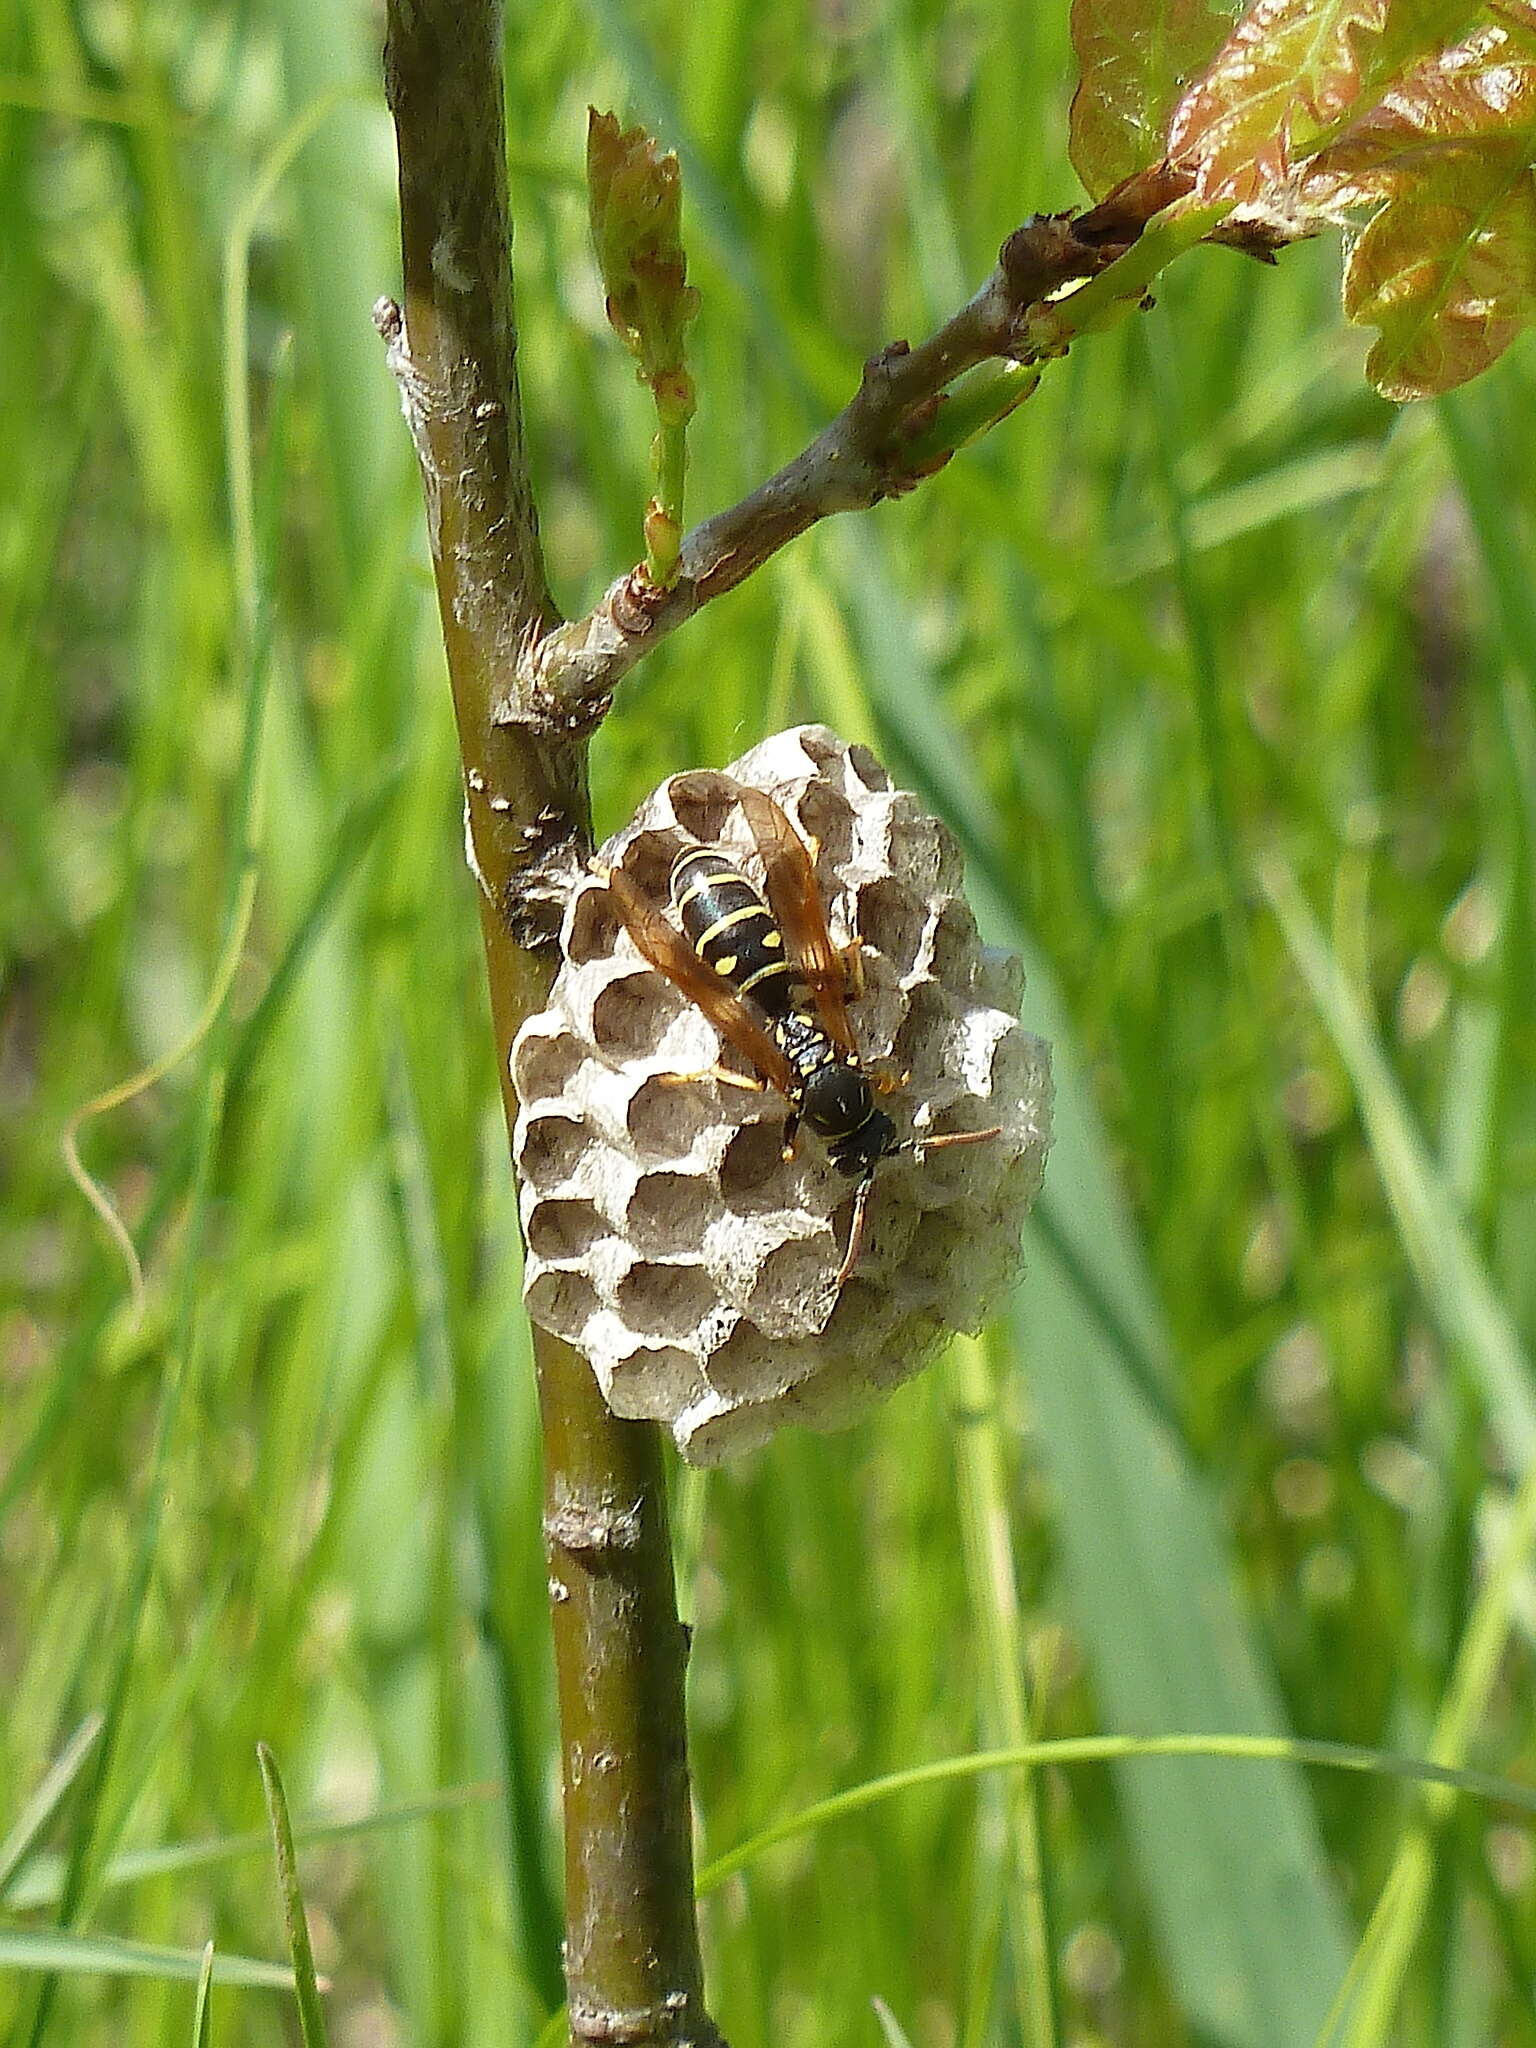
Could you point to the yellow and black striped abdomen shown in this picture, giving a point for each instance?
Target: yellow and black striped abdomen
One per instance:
(730, 926)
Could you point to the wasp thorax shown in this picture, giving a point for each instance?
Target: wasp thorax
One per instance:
(702, 1271)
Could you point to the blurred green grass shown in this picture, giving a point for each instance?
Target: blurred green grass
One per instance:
(1238, 1457)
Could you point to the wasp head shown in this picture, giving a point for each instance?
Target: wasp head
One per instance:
(839, 1105)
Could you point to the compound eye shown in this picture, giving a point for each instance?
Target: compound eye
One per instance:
(877, 1137)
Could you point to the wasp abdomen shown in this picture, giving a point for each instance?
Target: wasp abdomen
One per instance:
(729, 925)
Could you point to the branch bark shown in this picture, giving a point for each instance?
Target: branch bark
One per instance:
(632, 1956)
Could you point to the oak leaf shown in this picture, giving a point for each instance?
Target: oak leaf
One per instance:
(1446, 267)
(1134, 61)
(1290, 76)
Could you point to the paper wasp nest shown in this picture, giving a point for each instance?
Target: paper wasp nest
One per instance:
(666, 1236)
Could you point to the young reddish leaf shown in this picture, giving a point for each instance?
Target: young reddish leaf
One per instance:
(1291, 75)
(1447, 267)
(1476, 98)
(1449, 286)
(1134, 59)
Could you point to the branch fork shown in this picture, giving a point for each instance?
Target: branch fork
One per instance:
(890, 435)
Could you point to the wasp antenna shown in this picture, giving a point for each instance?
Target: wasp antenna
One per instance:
(856, 1229)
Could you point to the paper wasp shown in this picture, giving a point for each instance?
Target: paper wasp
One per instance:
(763, 967)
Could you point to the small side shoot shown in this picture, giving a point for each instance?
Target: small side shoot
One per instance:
(635, 193)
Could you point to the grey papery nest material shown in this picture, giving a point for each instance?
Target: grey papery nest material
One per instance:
(667, 1238)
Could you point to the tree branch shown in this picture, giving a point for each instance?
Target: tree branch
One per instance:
(889, 436)
(632, 1956)
(528, 690)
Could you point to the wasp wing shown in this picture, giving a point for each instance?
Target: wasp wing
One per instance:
(670, 954)
(794, 897)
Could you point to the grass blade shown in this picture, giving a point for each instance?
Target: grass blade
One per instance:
(1461, 1299)
(895, 2035)
(1235, 1876)
(202, 2011)
(41, 1883)
(46, 1800)
(1145, 1751)
(1456, 1289)
(311, 2019)
(57, 1953)
(981, 1457)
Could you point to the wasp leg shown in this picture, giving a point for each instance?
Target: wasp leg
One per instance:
(724, 1075)
(791, 1134)
(856, 1229)
(853, 969)
(886, 1079)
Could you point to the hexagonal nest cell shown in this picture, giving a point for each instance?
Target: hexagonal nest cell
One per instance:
(667, 1237)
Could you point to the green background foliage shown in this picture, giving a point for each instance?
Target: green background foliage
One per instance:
(1205, 630)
